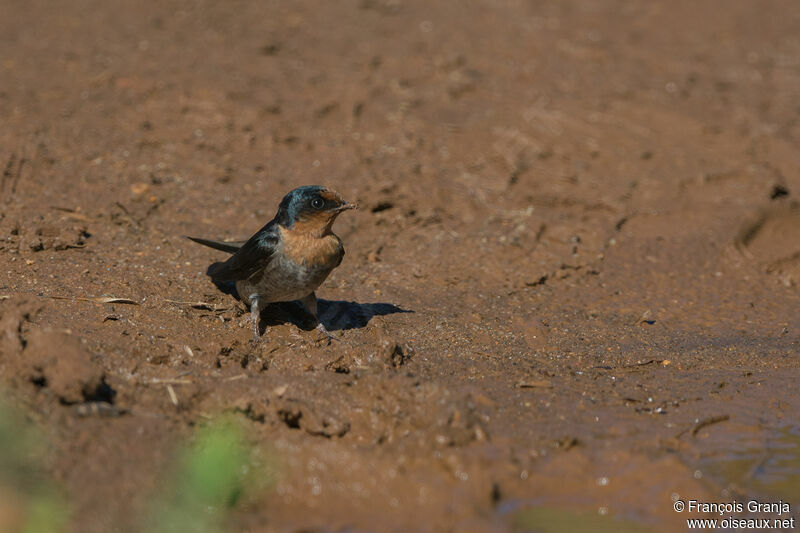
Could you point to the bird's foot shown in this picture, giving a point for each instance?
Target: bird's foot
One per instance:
(255, 315)
(325, 334)
(257, 339)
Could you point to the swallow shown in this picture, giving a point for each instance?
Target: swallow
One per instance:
(289, 258)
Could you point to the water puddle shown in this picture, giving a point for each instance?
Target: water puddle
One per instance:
(731, 462)
(547, 519)
(763, 467)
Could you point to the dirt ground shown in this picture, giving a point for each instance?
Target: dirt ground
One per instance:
(571, 285)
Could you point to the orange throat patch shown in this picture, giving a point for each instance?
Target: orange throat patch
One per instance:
(305, 248)
(315, 224)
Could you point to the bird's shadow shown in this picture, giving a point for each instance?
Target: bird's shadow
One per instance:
(336, 315)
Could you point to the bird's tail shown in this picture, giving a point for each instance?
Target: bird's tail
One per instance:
(230, 247)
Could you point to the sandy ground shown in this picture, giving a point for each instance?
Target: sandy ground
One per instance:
(572, 284)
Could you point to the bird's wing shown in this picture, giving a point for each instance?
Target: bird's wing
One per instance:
(252, 256)
(230, 247)
(341, 253)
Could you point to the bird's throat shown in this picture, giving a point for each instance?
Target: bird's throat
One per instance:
(314, 226)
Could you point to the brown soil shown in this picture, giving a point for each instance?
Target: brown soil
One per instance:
(572, 282)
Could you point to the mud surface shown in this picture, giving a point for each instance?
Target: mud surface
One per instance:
(572, 283)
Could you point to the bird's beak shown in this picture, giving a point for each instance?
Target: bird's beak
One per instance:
(345, 206)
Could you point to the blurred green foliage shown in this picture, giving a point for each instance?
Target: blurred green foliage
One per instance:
(213, 474)
(30, 502)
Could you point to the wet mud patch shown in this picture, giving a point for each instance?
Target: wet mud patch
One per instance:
(316, 421)
(53, 367)
(61, 364)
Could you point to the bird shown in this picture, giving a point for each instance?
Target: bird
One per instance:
(287, 259)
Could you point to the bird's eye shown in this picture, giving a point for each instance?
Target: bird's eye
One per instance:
(317, 203)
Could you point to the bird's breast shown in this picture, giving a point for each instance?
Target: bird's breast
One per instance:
(310, 251)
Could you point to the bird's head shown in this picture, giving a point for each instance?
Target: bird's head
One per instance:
(311, 209)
